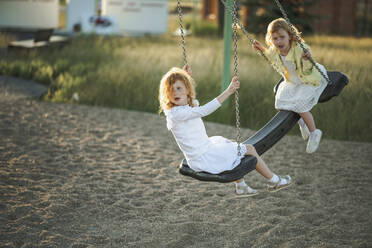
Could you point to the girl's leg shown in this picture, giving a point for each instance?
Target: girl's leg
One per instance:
(243, 189)
(276, 181)
(261, 167)
(315, 134)
(305, 133)
(309, 120)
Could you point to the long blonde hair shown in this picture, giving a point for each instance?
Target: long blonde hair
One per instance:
(165, 89)
(277, 24)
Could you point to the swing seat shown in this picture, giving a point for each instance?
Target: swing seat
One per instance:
(267, 136)
(339, 81)
(247, 164)
(274, 130)
(284, 120)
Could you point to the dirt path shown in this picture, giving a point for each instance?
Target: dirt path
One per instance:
(81, 176)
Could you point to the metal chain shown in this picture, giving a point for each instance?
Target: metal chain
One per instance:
(251, 39)
(236, 74)
(182, 33)
(299, 40)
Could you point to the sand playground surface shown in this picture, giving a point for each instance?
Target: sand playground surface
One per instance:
(82, 176)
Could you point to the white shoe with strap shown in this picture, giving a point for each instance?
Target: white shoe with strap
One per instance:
(282, 183)
(245, 191)
(314, 140)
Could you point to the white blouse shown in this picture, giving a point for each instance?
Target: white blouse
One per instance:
(293, 78)
(188, 128)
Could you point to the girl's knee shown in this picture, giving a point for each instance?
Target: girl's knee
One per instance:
(250, 150)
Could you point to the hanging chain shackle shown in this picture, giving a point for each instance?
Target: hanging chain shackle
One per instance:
(299, 40)
(182, 32)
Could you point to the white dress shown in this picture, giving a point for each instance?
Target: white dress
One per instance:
(295, 95)
(210, 154)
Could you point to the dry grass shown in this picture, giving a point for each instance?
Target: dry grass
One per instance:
(124, 72)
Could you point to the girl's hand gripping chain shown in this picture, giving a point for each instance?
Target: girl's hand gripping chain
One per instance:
(234, 85)
(306, 55)
(258, 46)
(187, 68)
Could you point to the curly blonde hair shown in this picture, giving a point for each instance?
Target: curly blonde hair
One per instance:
(277, 24)
(165, 89)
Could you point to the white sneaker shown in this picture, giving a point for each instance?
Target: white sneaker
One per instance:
(304, 131)
(281, 184)
(245, 191)
(314, 140)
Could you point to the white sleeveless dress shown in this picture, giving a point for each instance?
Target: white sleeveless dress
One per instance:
(295, 95)
(210, 154)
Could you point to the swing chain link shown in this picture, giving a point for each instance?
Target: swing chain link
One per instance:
(299, 41)
(251, 39)
(182, 31)
(236, 74)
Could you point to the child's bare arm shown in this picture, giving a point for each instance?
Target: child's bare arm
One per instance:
(234, 85)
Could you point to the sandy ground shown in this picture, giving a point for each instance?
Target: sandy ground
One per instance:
(82, 176)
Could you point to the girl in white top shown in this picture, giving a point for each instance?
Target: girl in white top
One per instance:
(303, 84)
(210, 154)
